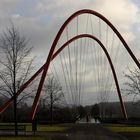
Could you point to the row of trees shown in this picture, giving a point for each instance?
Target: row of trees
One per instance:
(61, 114)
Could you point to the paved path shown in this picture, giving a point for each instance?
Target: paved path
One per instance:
(88, 132)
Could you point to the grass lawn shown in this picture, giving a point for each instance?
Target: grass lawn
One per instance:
(123, 128)
(47, 128)
(41, 128)
(129, 131)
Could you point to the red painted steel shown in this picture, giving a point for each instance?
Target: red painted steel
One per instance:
(85, 11)
(46, 65)
(109, 60)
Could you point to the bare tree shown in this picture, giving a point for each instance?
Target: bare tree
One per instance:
(54, 95)
(15, 65)
(133, 83)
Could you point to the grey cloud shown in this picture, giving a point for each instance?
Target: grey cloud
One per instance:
(42, 25)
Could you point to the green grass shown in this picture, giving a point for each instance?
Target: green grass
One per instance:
(123, 128)
(128, 131)
(47, 128)
(51, 128)
(41, 128)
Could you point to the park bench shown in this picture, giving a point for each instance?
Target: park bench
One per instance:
(11, 127)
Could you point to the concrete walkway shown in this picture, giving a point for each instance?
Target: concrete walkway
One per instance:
(88, 132)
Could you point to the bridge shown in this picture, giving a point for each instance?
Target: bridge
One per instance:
(87, 44)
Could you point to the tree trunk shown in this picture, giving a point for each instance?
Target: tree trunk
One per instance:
(15, 98)
(15, 116)
(51, 109)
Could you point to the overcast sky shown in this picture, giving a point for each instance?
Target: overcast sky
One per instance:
(39, 20)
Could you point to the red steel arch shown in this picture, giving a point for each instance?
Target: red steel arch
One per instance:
(45, 67)
(109, 60)
(85, 11)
